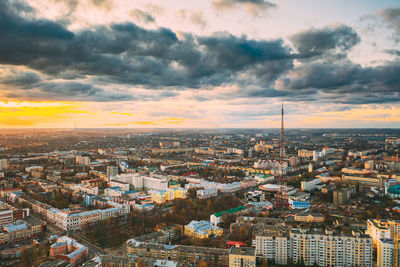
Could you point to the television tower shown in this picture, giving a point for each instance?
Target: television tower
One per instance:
(282, 147)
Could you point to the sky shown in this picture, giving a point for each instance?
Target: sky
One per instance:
(199, 64)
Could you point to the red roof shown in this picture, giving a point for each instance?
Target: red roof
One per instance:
(190, 173)
(12, 189)
(236, 243)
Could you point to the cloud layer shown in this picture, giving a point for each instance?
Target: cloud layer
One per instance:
(139, 60)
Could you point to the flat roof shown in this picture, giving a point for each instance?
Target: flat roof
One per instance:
(230, 211)
(243, 251)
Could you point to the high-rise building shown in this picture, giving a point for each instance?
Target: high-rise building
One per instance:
(273, 244)
(3, 164)
(82, 160)
(382, 229)
(385, 252)
(112, 171)
(313, 247)
(329, 249)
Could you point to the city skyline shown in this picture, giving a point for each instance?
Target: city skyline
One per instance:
(203, 64)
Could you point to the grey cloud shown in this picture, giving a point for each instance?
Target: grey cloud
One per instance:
(129, 55)
(142, 16)
(253, 7)
(126, 53)
(392, 17)
(345, 82)
(315, 42)
(194, 16)
(29, 85)
(393, 52)
(20, 79)
(105, 4)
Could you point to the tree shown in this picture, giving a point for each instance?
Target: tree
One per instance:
(140, 263)
(28, 257)
(202, 263)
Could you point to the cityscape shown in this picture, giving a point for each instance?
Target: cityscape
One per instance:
(233, 133)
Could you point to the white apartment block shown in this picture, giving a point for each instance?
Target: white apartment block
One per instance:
(328, 249)
(140, 181)
(155, 183)
(273, 247)
(92, 190)
(385, 253)
(310, 185)
(81, 160)
(320, 248)
(206, 193)
(123, 185)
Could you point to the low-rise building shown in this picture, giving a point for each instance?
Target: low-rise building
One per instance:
(206, 193)
(296, 204)
(242, 257)
(215, 218)
(202, 229)
(68, 249)
(255, 196)
(189, 255)
(21, 230)
(310, 217)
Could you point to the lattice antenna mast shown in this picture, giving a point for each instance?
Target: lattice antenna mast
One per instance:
(282, 146)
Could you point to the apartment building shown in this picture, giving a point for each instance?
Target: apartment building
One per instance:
(273, 244)
(190, 255)
(279, 245)
(385, 253)
(329, 249)
(382, 229)
(81, 160)
(206, 193)
(21, 230)
(242, 257)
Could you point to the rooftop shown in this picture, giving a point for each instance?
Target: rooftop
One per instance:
(230, 211)
(242, 251)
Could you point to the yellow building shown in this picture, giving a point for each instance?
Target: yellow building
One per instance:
(161, 196)
(311, 217)
(202, 229)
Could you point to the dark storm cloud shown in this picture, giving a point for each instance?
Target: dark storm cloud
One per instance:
(315, 42)
(345, 82)
(22, 80)
(392, 17)
(126, 53)
(21, 84)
